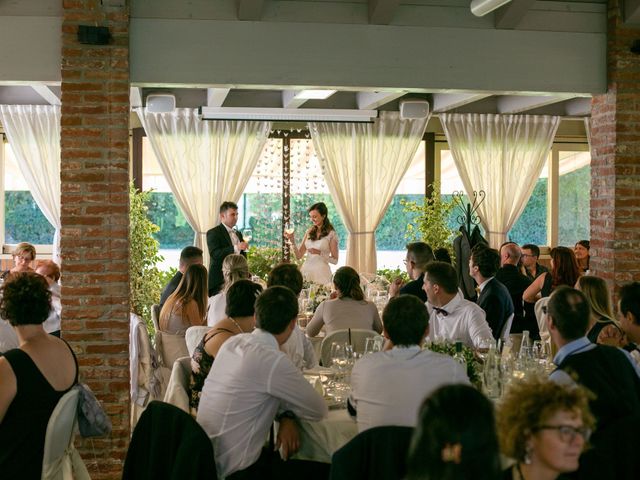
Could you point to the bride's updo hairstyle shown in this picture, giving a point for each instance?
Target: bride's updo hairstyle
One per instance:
(26, 299)
(347, 280)
(322, 209)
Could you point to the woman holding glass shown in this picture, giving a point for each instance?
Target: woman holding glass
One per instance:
(544, 426)
(320, 242)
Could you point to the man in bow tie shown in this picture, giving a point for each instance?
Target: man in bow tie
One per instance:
(223, 240)
(452, 318)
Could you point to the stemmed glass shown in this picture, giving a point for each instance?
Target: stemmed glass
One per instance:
(247, 235)
(289, 228)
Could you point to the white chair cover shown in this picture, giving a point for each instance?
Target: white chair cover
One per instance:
(170, 347)
(194, 336)
(355, 336)
(178, 388)
(61, 460)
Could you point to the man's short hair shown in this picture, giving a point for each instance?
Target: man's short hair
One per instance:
(443, 275)
(535, 250)
(630, 300)
(227, 206)
(420, 254)
(513, 251)
(286, 275)
(276, 307)
(405, 320)
(190, 255)
(486, 259)
(570, 312)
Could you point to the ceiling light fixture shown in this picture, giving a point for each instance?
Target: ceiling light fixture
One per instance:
(481, 7)
(288, 114)
(314, 94)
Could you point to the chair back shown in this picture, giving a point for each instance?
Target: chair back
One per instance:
(193, 337)
(155, 316)
(178, 389)
(357, 337)
(506, 329)
(376, 454)
(170, 347)
(168, 444)
(58, 440)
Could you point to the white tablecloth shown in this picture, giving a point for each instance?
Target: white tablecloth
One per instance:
(319, 440)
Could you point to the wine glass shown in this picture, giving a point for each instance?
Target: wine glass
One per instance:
(289, 228)
(247, 235)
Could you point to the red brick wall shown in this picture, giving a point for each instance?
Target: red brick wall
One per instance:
(95, 217)
(615, 159)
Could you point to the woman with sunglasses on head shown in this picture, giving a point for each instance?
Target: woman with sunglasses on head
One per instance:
(544, 426)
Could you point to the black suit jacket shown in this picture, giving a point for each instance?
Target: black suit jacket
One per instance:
(496, 302)
(414, 287)
(220, 245)
(170, 288)
(524, 315)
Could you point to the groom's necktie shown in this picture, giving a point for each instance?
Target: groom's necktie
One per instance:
(441, 311)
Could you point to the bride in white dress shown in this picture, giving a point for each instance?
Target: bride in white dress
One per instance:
(320, 242)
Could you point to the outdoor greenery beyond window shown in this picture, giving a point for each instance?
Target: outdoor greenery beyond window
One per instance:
(24, 222)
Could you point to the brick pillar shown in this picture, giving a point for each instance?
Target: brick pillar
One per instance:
(95, 217)
(615, 159)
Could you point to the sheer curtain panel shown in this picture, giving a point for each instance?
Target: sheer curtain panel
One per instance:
(205, 162)
(34, 136)
(363, 165)
(502, 155)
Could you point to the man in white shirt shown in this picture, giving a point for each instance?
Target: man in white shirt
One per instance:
(452, 318)
(388, 388)
(251, 381)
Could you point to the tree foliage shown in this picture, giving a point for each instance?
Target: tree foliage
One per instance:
(144, 277)
(24, 222)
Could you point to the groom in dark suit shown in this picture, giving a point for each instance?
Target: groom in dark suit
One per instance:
(494, 297)
(223, 240)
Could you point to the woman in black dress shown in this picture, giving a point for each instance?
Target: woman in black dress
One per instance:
(33, 377)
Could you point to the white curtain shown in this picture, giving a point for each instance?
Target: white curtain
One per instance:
(363, 165)
(204, 162)
(502, 155)
(34, 136)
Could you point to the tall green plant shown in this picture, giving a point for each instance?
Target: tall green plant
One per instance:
(145, 280)
(430, 223)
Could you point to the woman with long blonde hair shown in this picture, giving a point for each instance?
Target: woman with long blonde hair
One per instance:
(187, 306)
(234, 268)
(602, 326)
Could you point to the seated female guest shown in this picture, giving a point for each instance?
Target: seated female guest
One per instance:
(33, 377)
(544, 426)
(234, 268)
(241, 297)
(187, 306)
(51, 273)
(23, 255)
(455, 438)
(581, 249)
(348, 310)
(564, 271)
(602, 327)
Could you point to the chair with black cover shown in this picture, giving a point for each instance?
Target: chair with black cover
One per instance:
(378, 453)
(168, 444)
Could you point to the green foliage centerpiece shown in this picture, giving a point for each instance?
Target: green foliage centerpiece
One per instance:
(473, 366)
(431, 220)
(145, 280)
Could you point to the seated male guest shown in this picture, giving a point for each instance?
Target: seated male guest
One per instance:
(530, 255)
(419, 254)
(494, 297)
(607, 371)
(188, 256)
(387, 388)
(251, 382)
(298, 347)
(510, 276)
(629, 314)
(451, 317)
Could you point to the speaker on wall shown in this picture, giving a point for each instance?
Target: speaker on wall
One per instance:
(414, 109)
(160, 102)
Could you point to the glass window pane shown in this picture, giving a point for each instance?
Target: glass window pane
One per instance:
(531, 227)
(24, 222)
(574, 197)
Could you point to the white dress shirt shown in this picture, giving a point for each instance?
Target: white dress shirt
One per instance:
(388, 388)
(217, 307)
(300, 350)
(465, 322)
(250, 381)
(234, 238)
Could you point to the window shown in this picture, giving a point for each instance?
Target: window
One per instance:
(574, 195)
(23, 220)
(532, 225)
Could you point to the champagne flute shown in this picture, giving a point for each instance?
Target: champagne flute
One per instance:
(247, 235)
